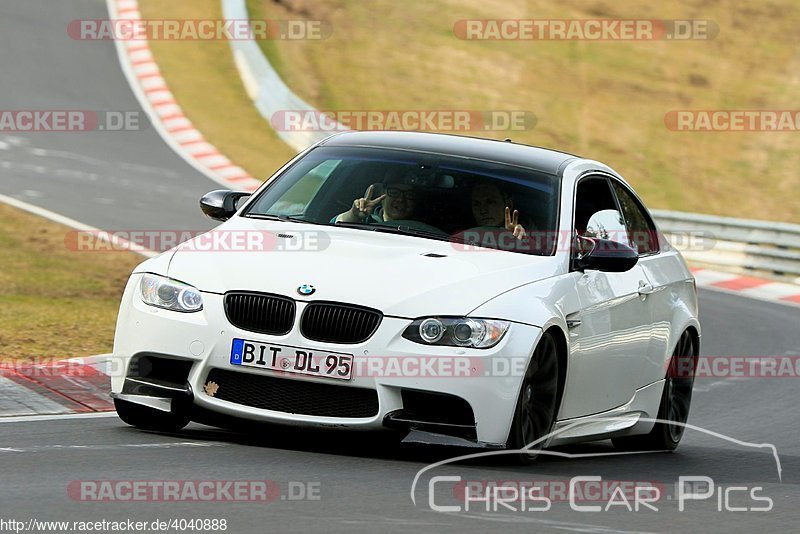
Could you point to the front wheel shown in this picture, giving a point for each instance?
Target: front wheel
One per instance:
(149, 418)
(675, 402)
(536, 406)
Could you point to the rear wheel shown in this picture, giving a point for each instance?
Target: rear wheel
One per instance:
(536, 406)
(148, 418)
(675, 402)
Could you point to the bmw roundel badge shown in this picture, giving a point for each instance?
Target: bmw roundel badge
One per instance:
(306, 289)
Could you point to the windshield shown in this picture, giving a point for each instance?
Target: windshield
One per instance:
(467, 201)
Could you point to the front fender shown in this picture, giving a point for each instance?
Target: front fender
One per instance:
(542, 304)
(157, 264)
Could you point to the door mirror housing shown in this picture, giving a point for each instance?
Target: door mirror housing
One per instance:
(604, 255)
(221, 204)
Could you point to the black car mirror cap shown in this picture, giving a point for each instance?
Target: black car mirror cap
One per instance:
(607, 256)
(221, 204)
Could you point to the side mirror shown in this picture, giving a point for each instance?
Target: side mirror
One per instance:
(222, 203)
(605, 255)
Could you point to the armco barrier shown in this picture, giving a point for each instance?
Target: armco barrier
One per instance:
(263, 84)
(740, 245)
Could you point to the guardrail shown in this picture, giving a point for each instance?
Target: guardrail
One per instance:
(744, 246)
(263, 84)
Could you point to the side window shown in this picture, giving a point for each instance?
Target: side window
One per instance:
(596, 213)
(641, 230)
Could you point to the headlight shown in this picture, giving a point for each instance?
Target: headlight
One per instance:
(457, 332)
(431, 330)
(163, 292)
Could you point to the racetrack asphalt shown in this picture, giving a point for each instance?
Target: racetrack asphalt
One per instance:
(112, 180)
(132, 180)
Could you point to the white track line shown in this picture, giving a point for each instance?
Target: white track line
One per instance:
(72, 223)
(67, 416)
(111, 446)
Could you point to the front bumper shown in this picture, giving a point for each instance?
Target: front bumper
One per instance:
(488, 380)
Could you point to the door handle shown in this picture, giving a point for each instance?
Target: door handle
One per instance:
(645, 288)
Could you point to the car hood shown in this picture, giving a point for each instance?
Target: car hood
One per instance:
(400, 275)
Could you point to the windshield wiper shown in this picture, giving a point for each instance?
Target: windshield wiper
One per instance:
(402, 229)
(282, 218)
(455, 238)
(423, 233)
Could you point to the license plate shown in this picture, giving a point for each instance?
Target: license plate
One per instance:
(295, 360)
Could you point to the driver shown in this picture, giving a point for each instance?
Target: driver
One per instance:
(397, 203)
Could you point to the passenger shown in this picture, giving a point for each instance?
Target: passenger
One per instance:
(492, 207)
(397, 203)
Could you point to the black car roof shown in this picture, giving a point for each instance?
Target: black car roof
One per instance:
(536, 158)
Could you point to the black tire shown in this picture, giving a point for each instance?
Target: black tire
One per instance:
(535, 412)
(149, 418)
(675, 402)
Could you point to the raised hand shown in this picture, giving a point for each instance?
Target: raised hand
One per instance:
(512, 224)
(362, 207)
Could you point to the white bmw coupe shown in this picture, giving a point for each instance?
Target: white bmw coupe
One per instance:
(458, 290)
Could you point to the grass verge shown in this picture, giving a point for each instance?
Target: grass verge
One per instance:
(604, 100)
(54, 302)
(203, 77)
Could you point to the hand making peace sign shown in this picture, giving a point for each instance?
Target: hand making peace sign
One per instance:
(512, 224)
(362, 207)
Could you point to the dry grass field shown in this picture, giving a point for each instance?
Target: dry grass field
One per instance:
(606, 100)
